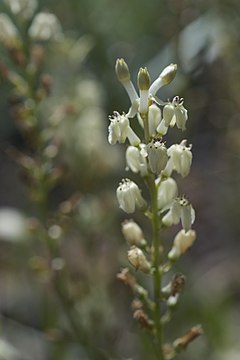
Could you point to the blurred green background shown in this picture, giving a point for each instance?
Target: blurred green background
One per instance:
(202, 37)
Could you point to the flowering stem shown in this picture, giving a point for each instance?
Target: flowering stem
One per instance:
(156, 228)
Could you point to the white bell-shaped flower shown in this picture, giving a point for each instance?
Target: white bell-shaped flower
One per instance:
(119, 129)
(129, 196)
(8, 31)
(132, 233)
(154, 119)
(137, 259)
(180, 209)
(182, 242)
(45, 26)
(175, 113)
(157, 156)
(167, 192)
(23, 8)
(187, 214)
(136, 159)
(180, 159)
(168, 115)
(173, 215)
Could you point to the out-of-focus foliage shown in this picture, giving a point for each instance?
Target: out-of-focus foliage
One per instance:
(202, 37)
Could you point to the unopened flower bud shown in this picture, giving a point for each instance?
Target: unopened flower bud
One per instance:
(123, 76)
(122, 70)
(137, 258)
(143, 85)
(177, 284)
(166, 76)
(129, 196)
(168, 113)
(182, 242)
(182, 342)
(143, 79)
(133, 233)
(154, 118)
(157, 156)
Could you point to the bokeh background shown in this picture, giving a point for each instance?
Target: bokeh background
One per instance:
(202, 37)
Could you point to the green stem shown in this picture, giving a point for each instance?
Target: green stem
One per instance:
(157, 278)
(146, 127)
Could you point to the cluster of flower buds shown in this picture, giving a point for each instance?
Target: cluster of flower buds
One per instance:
(44, 26)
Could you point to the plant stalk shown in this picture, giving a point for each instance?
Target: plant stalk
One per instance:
(156, 248)
(157, 277)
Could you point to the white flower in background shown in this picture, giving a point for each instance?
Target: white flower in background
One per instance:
(25, 8)
(119, 129)
(133, 233)
(8, 351)
(136, 159)
(140, 103)
(182, 242)
(157, 156)
(45, 26)
(13, 225)
(129, 196)
(137, 259)
(8, 31)
(180, 209)
(167, 192)
(172, 300)
(180, 159)
(175, 113)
